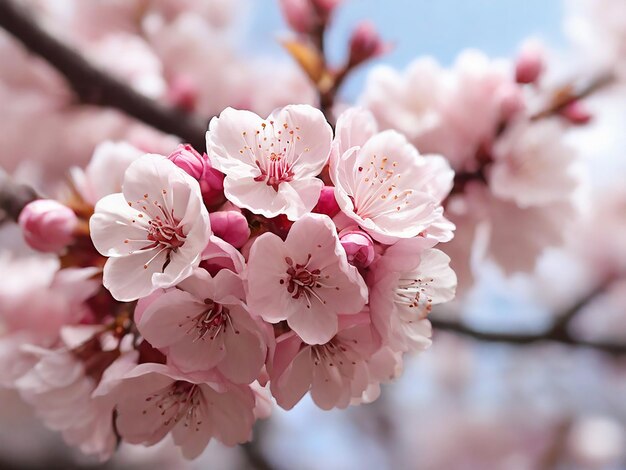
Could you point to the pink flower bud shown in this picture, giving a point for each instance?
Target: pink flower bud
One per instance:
(529, 64)
(365, 44)
(47, 225)
(212, 186)
(327, 204)
(325, 8)
(299, 14)
(359, 247)
(576, 113)
(187, 158)
(183, 93)
(230, 226)
(198, 166)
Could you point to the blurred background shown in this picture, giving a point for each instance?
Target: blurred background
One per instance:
(462, 404)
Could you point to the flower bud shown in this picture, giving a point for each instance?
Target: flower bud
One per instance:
(327, 204)
(365, 44)
(230, 226)
(576, 113)
(325, 8)
(529, 64)
(299, 15)
(199, 167)
(188, 159)
(305, 16)
(359, 247)
(47, 225)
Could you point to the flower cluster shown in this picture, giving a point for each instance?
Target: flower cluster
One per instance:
(285, 260)
(514, 167)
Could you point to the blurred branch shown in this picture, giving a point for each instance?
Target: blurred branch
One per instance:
(13, 198)
(559, 332)
(527, 338)
(92, 85)
(569, 94)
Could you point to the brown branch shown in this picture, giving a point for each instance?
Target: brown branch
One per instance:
(569, 94)
(522, 339)
(92, 85)
(13, 198)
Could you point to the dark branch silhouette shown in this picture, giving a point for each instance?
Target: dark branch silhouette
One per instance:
(92, 85)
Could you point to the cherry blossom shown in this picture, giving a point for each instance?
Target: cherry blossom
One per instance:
(335, 372)
(203, 323)
(153, 232)
(404, 285)
(533, 165)
(305, 280)
(271, 164)
(105, 171)
(60, 387)
(154, 400)
(384, 184)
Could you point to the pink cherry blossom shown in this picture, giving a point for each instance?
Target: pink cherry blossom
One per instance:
(404, 285)
(60, 387)
(204, 323)
(154, 400)
(385, 185)
(533, 165)
(48, 225)
(452, 112)
(36, 301)
(305, 280)
(335, 372)
(384, 366)
(153, 232)
(105, 171)
(219, 254)
(271, 164)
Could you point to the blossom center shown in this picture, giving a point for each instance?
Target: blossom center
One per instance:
(379, 191)
(179, 401)
(165, 231)
(275, 169)
(303, 281)
(211, 322)
(412, 293)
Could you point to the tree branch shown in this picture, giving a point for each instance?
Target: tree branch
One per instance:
(13, 198)
(92, 85)
(569, 94)
(558, 333)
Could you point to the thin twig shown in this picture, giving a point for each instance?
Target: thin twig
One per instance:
(570, 94)
(92, 85)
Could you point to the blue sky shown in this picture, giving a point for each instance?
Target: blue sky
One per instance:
(441, 28)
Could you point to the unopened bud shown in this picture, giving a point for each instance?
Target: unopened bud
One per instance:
(365, 44)
(359, 247)
(529, 64)
(576, 113)
(299, 14)
(327, 204)
(230, 226)
(47, 225)
(199, 167)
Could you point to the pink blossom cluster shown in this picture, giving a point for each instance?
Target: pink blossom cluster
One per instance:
(167, 50)
(514, 167)
(284, 261)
